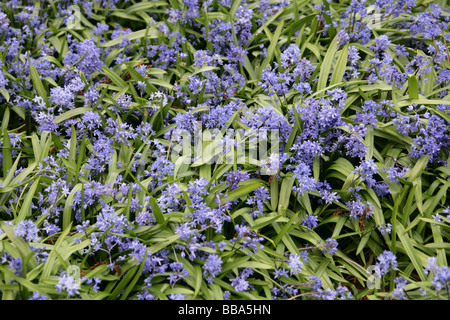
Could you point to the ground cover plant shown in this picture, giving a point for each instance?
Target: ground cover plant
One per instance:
(106, 192)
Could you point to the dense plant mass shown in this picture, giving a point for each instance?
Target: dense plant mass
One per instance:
(99, 201)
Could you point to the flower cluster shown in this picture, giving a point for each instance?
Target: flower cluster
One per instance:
(348, 99)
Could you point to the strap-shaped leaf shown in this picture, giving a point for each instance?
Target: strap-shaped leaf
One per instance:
(325, 67)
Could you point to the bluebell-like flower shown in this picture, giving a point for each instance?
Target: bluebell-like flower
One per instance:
(315, 283)
(212, 267)
(386, 261)
(441, 278)
(330, 246)
(84, 55)
(240, 283)
(295, 264)
(399, 291)
(257, 201)
(38, 296)
(68, 284)
(28, 230)
(310, 221)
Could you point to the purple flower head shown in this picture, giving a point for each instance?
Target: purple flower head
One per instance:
(386, 261)
(94, 282)
(366, 170)
(381, 43)
(441, 278)
(233, 178)
(100, 28)
(290, 56)
(85, 55)
(399, 291)
(38, 296)
(239, 283)
(198, 186)
(310, 221)
(28, 230)
(247, 238)
(295, 264)
(316, 283)
(257, 201)
(330, 246)
(306, 182)
(15, 264)
(69, 284)
(178, 272)
(281, 272)
(212, 267)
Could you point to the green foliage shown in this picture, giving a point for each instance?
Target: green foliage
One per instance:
(43, 159)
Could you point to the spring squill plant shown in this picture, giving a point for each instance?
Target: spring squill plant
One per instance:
(224, 150)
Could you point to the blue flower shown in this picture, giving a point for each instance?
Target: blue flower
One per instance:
(295, 264)
(386, 261)
(310, 221)
(212, 267)
(399, 290)
(28, 230)
(240, 283)
(69, 284)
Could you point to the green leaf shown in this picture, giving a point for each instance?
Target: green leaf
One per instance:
(157, 213)
(418, 168)
(12, 171)
(325, 67)
(285, 193)
(7, 153)
(418, 194)
(26, 205)
(316, 168)
(203, 69)
(369, 139)
(413, 87)
(20, 244)
(412, 253)
(81, 156)
(160, 83)
(115, 78)
(72, 153)
(36, 79)
(285, 229)
(241, 191)
(287, 239)
(57, 142)
(4, 93)
(341, 64)
(71, 114)
(127, 278)
(362, 242)
(135, 279)
(67, 213)
(163, 244)
(151, 33)
(144, 5)
(22, 281)
(274, 192)
(273, 45)
(264, 221)
(198, 277)
(51, 262)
